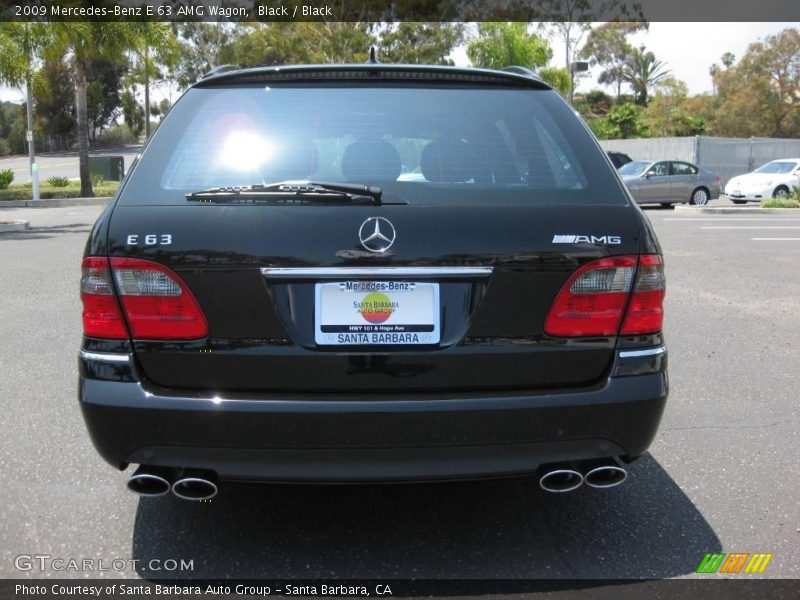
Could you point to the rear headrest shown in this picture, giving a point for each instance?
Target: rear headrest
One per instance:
(452, 160)
(371, 160)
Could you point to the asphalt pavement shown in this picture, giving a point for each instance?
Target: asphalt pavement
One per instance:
(721, 476)
(61, 164)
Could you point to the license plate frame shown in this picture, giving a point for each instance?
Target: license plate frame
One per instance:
(376, 313)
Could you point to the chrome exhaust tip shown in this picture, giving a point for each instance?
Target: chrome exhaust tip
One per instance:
(558, 481)
(605, 476)
(196, 485)
(150, 481)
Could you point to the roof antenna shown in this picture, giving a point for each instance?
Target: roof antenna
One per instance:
(372, 59)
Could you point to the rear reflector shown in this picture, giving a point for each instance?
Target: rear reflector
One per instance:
(593, 300)
(156, 303)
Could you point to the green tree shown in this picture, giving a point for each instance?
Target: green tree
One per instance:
(664, 115)
(420, 43)
(643, 71)
(299, 43)
(199, 49)
(622, 121)
(83, 42)
(155, 46)
(607, 46)
(500, 45)
(15, 67)
(760, 95)
(103, 84)
(132, 112)
(571, 20)
(556, 77)
(54, 94)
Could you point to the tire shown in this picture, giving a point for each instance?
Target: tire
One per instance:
(699, 197)
(780, 192)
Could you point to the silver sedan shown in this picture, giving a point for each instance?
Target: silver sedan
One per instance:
(669, 182)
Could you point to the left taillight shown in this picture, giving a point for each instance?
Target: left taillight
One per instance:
(154, 302)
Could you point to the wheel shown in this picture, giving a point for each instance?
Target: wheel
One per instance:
(780, 192)
(699, 197)
(739, 201)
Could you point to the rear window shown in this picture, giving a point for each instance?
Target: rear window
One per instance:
(428, 144)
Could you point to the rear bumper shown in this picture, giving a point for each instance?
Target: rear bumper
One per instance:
(388, 438)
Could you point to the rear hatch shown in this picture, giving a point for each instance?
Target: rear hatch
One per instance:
(492, 197)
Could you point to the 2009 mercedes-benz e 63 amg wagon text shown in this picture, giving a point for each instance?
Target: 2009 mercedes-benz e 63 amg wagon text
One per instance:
(373, 272)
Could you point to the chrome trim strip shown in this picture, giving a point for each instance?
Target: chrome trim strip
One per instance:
(344, 272)
(647, 352)
(105, 356)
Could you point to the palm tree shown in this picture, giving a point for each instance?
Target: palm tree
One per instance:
(643, 71)
(82, 42)
(155, 43)
(20, 44)
(14, 65)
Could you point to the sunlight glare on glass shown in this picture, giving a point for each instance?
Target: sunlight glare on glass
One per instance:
(243, 151)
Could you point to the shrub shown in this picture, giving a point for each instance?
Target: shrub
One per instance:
(6, 177)
(97, 180)
(780, 203)
(118, 135)
(58, 182)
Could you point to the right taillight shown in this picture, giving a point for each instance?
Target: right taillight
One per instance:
(593, 301)
(155, 302)
(645, 312)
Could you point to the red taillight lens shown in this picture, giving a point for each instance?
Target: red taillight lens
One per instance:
(101, 314)
(593, 300)
(646, 311)
(156, 303)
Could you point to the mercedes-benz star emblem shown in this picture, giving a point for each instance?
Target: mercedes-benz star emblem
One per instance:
(376, 234)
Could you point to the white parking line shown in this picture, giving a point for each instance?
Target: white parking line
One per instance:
(775, 239)
(753, 227)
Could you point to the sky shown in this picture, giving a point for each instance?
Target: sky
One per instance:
(689, 49)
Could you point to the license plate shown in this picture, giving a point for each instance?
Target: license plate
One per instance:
(376, 313)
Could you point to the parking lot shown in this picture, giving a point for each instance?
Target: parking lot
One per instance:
(722, 474)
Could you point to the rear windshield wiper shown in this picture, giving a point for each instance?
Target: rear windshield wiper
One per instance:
(290, 191)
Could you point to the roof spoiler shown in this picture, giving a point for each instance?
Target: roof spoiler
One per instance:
(220, 69)
(522, 71)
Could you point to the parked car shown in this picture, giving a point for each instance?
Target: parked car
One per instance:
(776, 179)
(618, 158)
(267, 299)
(669, 182)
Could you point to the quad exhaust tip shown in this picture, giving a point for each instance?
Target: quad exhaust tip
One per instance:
(559, 481)
(196, 485)
(598, 474)
(605, 476)
(150, 481)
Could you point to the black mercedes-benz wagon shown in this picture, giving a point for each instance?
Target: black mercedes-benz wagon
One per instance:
(362, 273)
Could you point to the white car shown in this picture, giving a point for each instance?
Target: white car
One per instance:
(775, 179)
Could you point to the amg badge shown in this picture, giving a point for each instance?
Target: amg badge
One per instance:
(587, 239)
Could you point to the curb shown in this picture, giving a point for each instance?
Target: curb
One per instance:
(735, 210)
(17, 225)
(54, 202)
